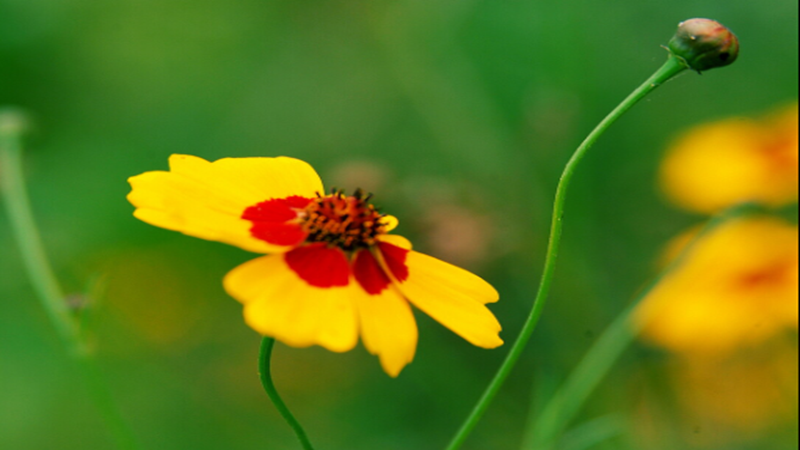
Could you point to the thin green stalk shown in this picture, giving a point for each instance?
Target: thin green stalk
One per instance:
(43, 280)
(671, 67)
(567, 401)
(27, 236)
(264, 372)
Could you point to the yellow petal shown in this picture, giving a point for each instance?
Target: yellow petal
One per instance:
(193, 219)
(737, 286)
(251, 180)
(206, 199)
(397, 240)
(720, 164)
(388, 328)
(454, 297)
(279, 304)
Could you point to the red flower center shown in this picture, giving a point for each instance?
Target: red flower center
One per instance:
(347, 222)
(335, 236)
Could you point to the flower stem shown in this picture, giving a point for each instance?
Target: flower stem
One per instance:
(670, 68)
(567, 401)
(265, 374)
(26, 233)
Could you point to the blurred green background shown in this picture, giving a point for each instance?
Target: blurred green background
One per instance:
(458, 114)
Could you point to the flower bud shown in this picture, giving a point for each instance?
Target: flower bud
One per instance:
(704, 44)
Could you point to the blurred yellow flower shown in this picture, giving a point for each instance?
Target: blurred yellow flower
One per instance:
(737, 398)
(725, 163)
(738, 287)
(332, 271)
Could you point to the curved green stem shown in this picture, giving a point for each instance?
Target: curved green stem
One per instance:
(670, 68)
(594, 366)
(264, 373)
(26, 233)
(48, 290)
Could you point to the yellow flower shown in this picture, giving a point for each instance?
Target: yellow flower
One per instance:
(738, 287)
(739, 397)
(722, 164)
(332, 271)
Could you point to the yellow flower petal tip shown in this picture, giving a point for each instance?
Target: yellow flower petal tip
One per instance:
(332, 273)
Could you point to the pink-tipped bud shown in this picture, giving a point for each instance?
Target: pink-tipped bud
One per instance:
(704, 44)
